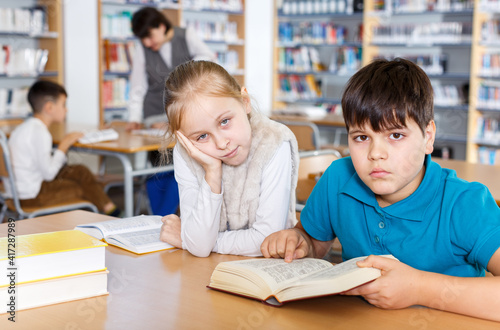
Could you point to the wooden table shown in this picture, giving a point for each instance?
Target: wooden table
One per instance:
(488, 175)
(167, 290)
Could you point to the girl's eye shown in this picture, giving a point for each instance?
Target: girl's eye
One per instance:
(396, 136)
(361, 138)
(224, 122)
(201, 137)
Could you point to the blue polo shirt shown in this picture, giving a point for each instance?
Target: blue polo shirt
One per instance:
(448, 225)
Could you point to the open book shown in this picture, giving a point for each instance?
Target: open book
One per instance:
(275, 282)
(95, 136)
(140, 234)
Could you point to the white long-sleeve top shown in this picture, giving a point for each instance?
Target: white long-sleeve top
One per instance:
(30, 145)
(200, 209)
(138, 77)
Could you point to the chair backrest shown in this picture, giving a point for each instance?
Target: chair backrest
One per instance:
(307, 134)
(8, 179)
(7, 173)
(312, 165)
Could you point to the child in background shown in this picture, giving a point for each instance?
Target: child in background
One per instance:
(236, 169)
(41, 177)
(389, 197)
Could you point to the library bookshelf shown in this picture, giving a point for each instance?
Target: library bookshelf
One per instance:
(464, 65)
(33, 31)
(229, 47)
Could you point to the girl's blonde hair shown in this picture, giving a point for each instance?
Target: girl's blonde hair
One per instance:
(187, 82)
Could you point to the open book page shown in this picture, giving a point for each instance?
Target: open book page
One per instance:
(140, 241)
(118, 226)
(278, 273)
(95, 136)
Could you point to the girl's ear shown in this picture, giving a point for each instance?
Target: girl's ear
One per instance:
(246, 100)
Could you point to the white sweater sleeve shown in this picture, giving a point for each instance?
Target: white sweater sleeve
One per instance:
(200, 210)
(272, 213)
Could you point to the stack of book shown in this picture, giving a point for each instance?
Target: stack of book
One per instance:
(49, 268)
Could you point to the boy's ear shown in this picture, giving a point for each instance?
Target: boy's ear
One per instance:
(246, 99)
(430, 136)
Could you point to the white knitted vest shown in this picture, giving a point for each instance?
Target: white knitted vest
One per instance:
(241, 183)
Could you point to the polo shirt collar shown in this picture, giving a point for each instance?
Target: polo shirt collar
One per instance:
(411, 208)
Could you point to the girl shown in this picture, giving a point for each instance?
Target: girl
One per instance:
(236, 168)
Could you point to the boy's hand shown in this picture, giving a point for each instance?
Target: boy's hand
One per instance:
(171, 230)
(68, 140)
(288, 244)
(398, 287)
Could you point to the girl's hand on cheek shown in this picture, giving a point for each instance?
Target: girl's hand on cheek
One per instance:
(208, 163)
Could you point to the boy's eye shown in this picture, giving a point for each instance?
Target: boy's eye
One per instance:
(396, 136)
(361, 138)
(201, 137)
(224, 122)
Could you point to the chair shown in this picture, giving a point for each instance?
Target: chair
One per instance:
(13, 204)
(311, 166)
(307, 134)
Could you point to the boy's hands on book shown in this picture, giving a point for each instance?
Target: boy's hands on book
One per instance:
(398, 287)
(171, 230)
(288, 244)
(68, 140)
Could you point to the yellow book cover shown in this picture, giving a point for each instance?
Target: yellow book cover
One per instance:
(47, 255)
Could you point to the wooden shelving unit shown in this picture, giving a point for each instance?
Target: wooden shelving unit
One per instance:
(52, 40)
(179, 15)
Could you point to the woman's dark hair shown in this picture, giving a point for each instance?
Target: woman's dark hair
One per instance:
(148, 18)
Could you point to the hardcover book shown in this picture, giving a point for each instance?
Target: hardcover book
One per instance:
(50, 255)
(140, 234)
(274, 282)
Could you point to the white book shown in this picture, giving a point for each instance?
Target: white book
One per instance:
(140, 234)
(95, 136)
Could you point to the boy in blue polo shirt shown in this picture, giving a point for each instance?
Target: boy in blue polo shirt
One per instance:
(389, 197)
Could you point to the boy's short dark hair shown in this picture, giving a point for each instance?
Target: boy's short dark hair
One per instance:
(148, 18)
(42, 92)
(385, 93)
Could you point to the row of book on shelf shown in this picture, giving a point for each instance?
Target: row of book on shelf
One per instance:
(343, 60)
(488, 130)
(294, 87)
(117, 25)
(423, 33)
(488, 156)
(22, 61)
(432, 64)
(488, 96)
(490, 31)
(219, 5)
(219, 31)
(118, 55)
(14, 102)
(302, 7)
(490, 65)
(115, 92)
(31, 21)
(419, 6)
(313, 32)
(55, 267)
